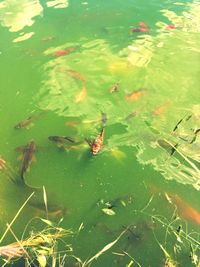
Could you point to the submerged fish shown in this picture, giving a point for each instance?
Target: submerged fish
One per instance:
(63, 52)
(97, 144)
(26, 122)
(76, 75)
(61, 139)
(143, 27)
(135, 95)
(28, 155)
(185, 210)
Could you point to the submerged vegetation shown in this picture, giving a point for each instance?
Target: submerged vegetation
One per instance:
(50, 246)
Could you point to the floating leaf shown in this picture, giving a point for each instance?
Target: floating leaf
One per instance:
(109, 212)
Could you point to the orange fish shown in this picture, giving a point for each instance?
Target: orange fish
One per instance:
(143, 27)
(159, 110)
(97, 144)
(63, 52)
(76, 75)
(80, 97)
(135, 95)
(184, 210)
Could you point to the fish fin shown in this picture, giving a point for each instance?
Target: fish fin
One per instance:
(89, 142)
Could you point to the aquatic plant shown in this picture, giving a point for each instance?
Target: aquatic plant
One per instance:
(39, 245)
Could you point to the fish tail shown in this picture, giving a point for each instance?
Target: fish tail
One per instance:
(103, 119)
(22, 177)
(102, 131)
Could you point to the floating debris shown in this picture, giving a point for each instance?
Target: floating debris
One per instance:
(186, 118)
(114, 88)
(108, 211)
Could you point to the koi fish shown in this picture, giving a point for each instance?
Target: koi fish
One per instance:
(76, 75)
(184, 209)
(135, 95)
(97, 144)
(26, 122)
(143, 27)
(28, 155)
(131, 115)
(170, 27)
(63, 52)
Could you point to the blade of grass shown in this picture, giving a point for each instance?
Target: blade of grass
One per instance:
(104, 249)
(17, 214)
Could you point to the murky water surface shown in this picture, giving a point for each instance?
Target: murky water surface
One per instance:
(72, 68)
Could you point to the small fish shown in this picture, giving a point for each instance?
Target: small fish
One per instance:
(131, 115)
(61, 139)
(28, 155)
(159, 110)
(80, 97)
(114, 88)
(76, 75)
(143, 27)
(63, 52)
(135, 95)
(97, 144)
(26, 122)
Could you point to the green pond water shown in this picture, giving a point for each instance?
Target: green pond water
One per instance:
(65, 63)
